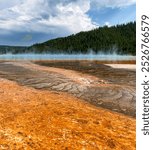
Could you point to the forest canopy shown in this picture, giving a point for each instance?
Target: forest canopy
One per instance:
(120, 39)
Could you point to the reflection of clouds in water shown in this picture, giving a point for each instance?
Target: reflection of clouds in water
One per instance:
(27, 37)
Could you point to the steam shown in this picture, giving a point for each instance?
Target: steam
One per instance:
(89, 56)
(109, 54)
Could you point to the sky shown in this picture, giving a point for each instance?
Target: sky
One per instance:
(26, 22)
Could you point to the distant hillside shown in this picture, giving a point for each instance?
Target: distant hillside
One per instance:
(12, 49)
(120, 38)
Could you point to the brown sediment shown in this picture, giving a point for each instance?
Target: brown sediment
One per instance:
(97, 84)
(100, 69)
(89, 61)
(43, 120)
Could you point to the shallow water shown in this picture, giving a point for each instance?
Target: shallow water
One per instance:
(65, 57)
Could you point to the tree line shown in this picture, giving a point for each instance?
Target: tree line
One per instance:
(120, 39)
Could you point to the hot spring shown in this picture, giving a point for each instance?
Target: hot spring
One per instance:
(66, 57)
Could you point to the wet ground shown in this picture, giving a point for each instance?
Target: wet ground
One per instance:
(98, 69)
(94, 82)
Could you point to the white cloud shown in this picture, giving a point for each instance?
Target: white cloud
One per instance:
(51, 17)
(107, 24)
(112, 3)
(46, 16)
(7, 3)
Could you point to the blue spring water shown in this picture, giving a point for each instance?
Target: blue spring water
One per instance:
(66, 57)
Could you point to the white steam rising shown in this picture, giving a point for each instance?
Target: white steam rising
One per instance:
(89, 56)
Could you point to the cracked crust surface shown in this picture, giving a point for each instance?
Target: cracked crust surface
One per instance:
(43, 120)
(110, 88)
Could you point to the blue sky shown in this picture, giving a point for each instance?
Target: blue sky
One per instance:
(25, 22)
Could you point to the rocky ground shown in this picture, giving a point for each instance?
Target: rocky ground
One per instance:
(56, 108)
